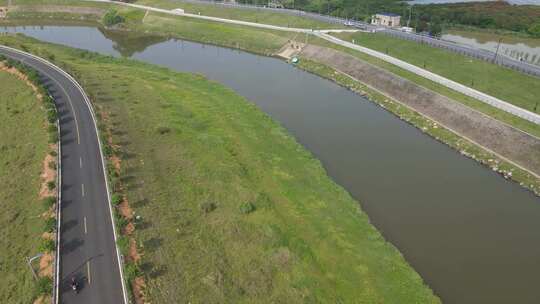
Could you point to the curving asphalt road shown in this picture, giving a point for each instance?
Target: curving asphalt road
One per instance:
(87, 237)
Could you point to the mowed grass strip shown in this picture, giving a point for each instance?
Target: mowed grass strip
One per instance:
(250, 15)
(509, 85)
(23, 147)
(232, 209)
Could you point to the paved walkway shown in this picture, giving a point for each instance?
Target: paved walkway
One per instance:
(488, 99)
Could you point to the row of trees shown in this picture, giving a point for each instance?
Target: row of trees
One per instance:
(489, 15)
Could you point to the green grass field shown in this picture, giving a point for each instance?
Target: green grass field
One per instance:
(23, 147)
(195, 154)
(506, 84)
(259, 16)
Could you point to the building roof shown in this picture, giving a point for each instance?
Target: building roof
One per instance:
(389, 14)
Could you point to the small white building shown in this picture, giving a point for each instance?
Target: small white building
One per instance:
(3, 12)
(386, 19)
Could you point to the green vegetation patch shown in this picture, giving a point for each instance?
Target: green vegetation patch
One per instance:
(231, 208)
(112, 17)
(23, 147)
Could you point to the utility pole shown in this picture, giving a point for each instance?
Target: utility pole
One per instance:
(410, 13)
(497, 51)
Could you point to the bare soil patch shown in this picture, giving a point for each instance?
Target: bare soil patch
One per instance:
(509, 142)
(138, 288)
(45, 265)
(47, 175)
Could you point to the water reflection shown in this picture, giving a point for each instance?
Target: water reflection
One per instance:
(130, 43)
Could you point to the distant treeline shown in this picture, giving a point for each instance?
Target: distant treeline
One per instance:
(352, 9)
(488, 15)
(492, 15)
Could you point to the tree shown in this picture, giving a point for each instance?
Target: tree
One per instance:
(534, 29)
(435, 28)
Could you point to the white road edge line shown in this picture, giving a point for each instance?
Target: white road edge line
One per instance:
(88, 270)
(87, 100)
(82, 189)
(85, 230)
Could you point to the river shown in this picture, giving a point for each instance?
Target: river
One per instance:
(473, 236)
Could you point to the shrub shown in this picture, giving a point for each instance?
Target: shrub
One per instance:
(53, 153)
(52, 128)
(163, 130)
(247, 207)
(111, 17)
(53, 138)
(44, 285)
(50, 224)
(46, 246)
(120, 221)
(107, 149)
(52, 165)
(132, 270)
(52, 116)
(534, 29)
(49, 201)
(51, 185)
(116, 199)
(208, 207)
(123, 244)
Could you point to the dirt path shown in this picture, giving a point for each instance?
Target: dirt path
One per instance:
(513, 144)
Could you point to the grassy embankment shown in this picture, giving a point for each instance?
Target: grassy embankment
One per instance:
(502, 75)
(233, 209)
(509, 85)
(251, 15)
(22, 214)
